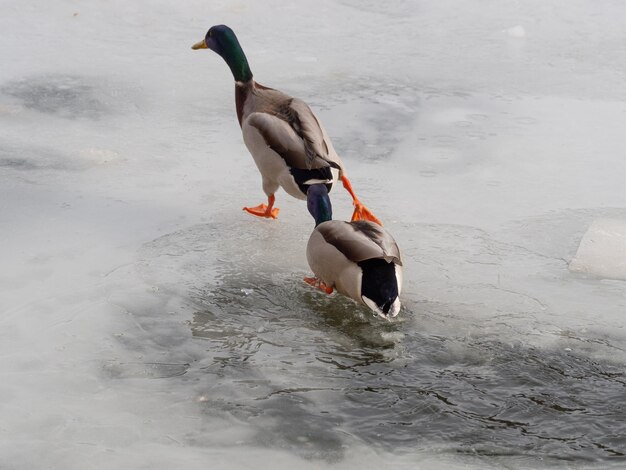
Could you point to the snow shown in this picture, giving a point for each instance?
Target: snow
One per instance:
(496, 160)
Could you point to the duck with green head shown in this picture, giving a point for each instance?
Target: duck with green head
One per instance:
(287, 141)
(360, 259)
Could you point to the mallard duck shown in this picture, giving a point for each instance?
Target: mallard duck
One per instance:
(360, 259)
(287, 141)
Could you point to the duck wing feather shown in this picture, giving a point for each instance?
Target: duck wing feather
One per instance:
(361, 240)
(291, 129)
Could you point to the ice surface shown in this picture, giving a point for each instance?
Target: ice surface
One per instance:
(147, 322)
(602, 251)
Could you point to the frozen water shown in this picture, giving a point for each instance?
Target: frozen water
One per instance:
(147, 322)
(602, 251)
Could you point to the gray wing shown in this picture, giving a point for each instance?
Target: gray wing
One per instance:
(291, 129)
(306, 125)
(361, 240)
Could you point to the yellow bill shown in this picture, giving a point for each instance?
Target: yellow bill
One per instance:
(200, 45)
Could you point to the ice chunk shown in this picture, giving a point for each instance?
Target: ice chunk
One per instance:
(602, 250)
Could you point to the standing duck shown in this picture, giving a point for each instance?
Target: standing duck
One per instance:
(287, 141)
(360, 259)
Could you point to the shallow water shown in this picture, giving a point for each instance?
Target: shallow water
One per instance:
(316, 375)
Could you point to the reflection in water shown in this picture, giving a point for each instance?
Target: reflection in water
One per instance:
(317, 374)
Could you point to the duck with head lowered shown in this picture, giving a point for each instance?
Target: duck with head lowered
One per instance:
(287, 141)
(360, 259)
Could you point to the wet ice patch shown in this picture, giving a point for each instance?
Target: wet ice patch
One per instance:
(386, 112)
(602, 250)
(62, 95)
(69, 96)
(24, 158)
(31, 158)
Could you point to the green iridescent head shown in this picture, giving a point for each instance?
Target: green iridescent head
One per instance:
(222, 40)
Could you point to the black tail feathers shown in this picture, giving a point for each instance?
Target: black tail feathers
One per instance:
(379, 282)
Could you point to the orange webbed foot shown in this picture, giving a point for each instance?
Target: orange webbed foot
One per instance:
(263, 210)
(360, 211)
(363, 213)
(318, 284)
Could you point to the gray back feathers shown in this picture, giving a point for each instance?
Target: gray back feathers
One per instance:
(361, 240)
(291, 129)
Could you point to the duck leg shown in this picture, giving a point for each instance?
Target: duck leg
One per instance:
(319, 284)
(360, 211)
(265, 210)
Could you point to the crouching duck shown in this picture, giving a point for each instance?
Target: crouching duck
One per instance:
(287, 141)
(360, 259)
